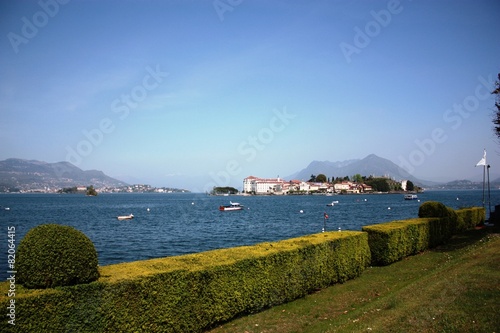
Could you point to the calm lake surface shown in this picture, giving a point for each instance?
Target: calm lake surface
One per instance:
(185, 223)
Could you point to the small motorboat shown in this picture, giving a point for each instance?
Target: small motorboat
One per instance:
(332, 203)
(411, 197)
(231, 206)
(125, 217)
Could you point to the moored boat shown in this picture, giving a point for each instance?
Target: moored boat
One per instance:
(231, 206)
(411, 197)
(332, 203)
(125, 217)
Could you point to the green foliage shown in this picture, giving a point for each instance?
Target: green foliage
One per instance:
(357, 178)
(70, 190)
(496, 119)
(194, 292)
(379, 184)
(91, 191)
(392, 241)
(432, 209)
(224, 190)
(468, 218)
(410, 186)
(321, 178)
(52, 255)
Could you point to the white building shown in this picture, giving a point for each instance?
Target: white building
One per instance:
(263, 185)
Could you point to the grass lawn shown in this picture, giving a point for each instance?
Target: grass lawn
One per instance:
(453, 288)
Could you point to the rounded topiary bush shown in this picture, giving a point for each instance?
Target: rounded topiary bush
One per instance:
(52, 255)
(433, 209)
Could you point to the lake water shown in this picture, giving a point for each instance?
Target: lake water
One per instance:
(185, 223)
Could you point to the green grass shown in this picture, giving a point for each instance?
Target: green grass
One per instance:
(453, 288)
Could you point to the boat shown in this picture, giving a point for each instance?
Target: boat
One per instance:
(332, 203)
(125, 217)
(411, 197)
(231, 206)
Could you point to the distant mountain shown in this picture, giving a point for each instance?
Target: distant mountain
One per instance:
(37, 175)
(464, 184)
(371, 165)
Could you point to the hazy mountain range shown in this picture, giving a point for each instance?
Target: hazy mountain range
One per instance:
(378, 166)
(34, 175)
(371, 165)
(20, 174)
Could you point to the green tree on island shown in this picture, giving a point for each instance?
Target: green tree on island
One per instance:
(410, 186)
(91, 191)
(224, 190)
(357, 178)
(321, 178)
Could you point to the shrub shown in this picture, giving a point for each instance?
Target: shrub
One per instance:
(392, 241)
(448, 217)
(52, 255)
(433, 209)
(468, 218)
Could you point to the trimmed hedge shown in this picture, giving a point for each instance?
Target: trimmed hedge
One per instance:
(437, 209)
(433, 209)
(52, 255)
(193, 292)
(392, 241)
(469, 218)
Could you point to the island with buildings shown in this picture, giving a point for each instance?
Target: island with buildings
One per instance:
(321, 185)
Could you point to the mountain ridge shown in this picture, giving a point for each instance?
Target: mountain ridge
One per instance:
(22, 174)
(371, 165)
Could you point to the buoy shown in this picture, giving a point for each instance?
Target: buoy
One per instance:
(192, 203)
(389, 208)
(301, 211)
(148, 209)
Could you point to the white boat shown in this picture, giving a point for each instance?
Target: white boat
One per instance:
(231, 206)
(411, 197)
(125, 217)
(332, 203)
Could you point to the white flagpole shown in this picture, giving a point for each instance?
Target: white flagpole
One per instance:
(489, 192)
(484, 164)
(484, 176)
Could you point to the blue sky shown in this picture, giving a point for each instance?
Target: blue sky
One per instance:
(201, 93)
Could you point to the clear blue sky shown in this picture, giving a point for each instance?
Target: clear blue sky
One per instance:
(196, 93)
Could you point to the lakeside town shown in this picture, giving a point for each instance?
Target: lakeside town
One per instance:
(81, 189)
(319, 184)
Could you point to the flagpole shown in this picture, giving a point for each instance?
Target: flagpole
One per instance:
(484, 174)
(489, 192)
(484, 164)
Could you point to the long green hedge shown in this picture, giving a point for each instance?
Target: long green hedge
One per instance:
(468, 218)
(192, 292)
(392, 241)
